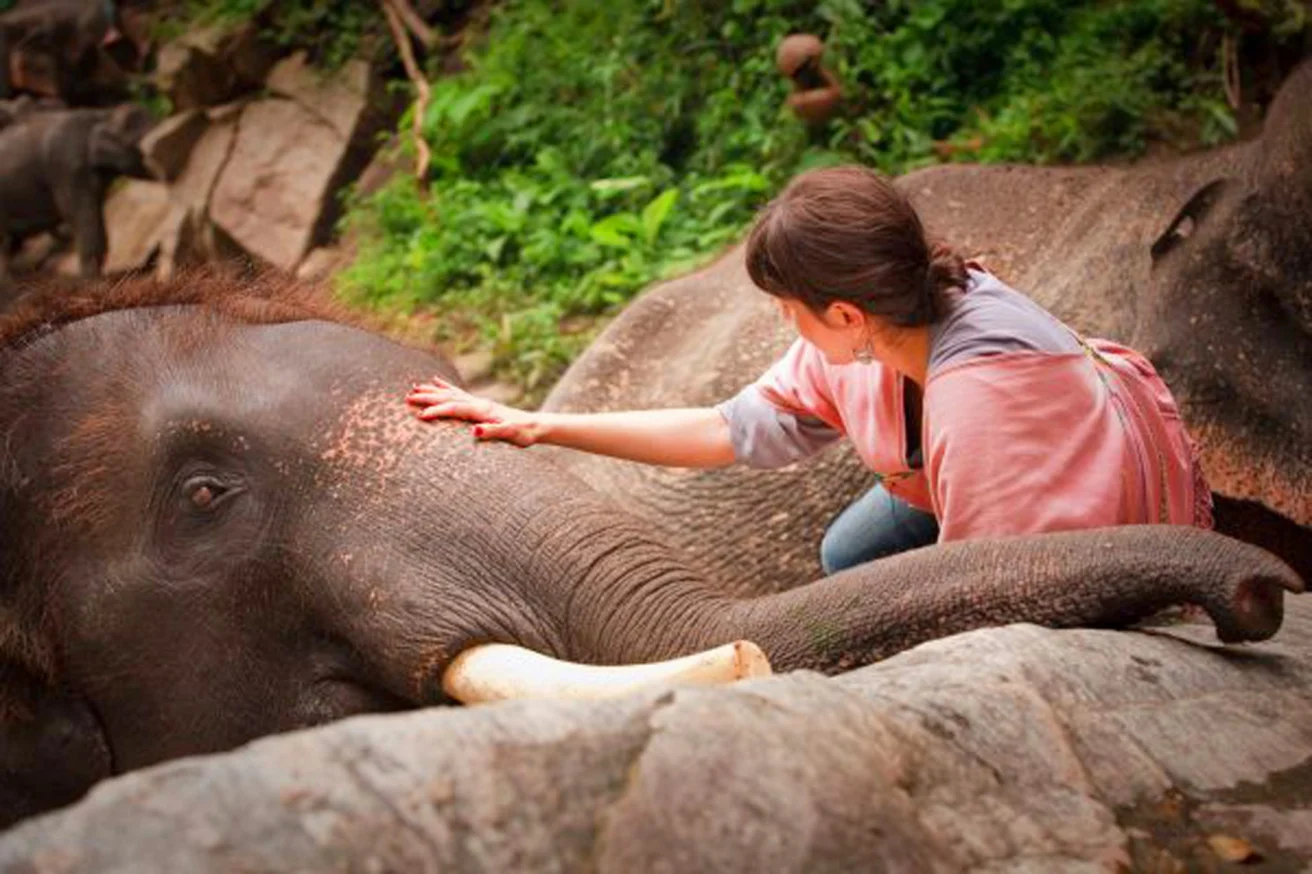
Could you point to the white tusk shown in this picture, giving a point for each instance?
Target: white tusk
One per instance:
(498, 672)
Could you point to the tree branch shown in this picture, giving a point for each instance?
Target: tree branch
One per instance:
(412, 21)
(402, 38)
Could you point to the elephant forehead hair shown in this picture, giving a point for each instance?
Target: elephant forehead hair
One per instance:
(264, 299)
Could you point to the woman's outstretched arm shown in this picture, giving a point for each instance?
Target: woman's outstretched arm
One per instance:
(688, 437)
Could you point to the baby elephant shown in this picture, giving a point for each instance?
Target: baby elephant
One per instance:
(55, 168)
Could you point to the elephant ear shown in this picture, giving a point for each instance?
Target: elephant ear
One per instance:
(1187, 220)
(52, 748)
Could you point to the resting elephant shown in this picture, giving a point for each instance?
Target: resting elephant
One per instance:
(1204, 263)
(220, 522)
(56, 167)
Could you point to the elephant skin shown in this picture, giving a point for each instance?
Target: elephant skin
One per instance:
(1015, 749)
(1204, 263)
(56, 167)
(221, 522)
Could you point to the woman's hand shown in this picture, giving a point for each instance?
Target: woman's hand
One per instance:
(439, 399)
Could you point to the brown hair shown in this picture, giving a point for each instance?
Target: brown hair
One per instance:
(845, 233)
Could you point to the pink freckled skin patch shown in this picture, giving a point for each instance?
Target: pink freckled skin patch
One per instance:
(375, 434)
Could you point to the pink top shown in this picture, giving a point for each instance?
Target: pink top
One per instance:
(1015, 442)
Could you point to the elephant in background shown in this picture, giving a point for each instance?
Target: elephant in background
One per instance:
(56, 168)
(1203, 263)
(53, 48)
(14, 111)
(220, 521)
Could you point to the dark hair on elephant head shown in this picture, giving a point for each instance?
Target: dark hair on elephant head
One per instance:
(265, 298)
(846, 233)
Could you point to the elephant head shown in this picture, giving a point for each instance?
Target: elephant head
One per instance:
(114, 143)
(220, 522)
(1228, 312)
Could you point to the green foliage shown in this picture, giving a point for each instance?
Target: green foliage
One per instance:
(590, 149)
(333, 31)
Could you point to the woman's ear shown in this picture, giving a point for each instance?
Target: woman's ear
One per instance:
(840, 315)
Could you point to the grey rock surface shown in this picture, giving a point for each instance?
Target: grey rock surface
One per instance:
(1012, 749)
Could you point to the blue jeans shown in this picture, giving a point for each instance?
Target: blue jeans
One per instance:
(873, 526)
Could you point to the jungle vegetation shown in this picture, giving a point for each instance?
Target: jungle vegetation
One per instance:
(588, 149)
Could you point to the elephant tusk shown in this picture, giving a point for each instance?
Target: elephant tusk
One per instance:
(499, 672)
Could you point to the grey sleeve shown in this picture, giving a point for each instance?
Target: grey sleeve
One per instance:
(764, 436)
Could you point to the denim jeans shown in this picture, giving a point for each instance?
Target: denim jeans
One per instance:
(873, 526)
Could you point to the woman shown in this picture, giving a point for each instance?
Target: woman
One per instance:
(981, 413)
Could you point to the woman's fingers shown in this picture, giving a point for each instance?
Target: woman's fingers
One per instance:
(472, 410)
(427, 398)
(428, 388)
(513, 432)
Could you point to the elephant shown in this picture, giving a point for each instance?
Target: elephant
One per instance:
(56, 167)
(14, 111)
(65, 36)
(1201, 262)
(222, 522)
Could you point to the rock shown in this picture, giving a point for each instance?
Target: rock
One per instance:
(167, 147)
(388, 161)
(192, 71)
(271, 194)
(181, 242)
(276, 196)
(225, 111)
(64, 263)
(475, 366)
(211, 65)
(250, 56)
(498, 392)
(345, 100)
(188, 238)
(1006, 749)
(208, 156)
(321, 264)
(34, 252)
(136, 215)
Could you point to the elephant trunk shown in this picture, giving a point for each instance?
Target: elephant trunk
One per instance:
(1102, 578)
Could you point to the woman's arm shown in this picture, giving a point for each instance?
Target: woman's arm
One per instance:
(696, 437)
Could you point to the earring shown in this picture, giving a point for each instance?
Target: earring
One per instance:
(863, 354)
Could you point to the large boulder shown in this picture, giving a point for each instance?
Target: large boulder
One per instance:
(191, 239)
(212, 65)
(136, 219)
(167, 147)
(1013, 749)
(276, 194)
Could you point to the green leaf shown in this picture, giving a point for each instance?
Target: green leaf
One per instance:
(655, 213)
(616, 230)
(627, 183)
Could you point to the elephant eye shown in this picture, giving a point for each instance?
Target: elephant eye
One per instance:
(203, 492)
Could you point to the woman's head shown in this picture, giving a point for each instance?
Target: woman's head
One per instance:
(845, 235)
